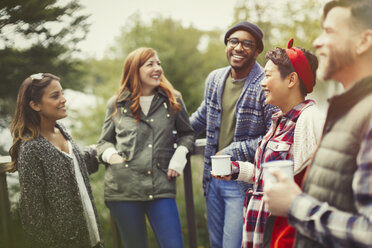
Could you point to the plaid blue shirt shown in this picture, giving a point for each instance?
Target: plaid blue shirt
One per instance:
(339, 228)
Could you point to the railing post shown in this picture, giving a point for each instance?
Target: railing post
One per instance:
(189, 195)
(189, 198)
(4, 204)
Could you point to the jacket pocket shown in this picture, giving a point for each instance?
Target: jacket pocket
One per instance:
(163, 158)
(126, 135)
(279, 150)
(161, 183)
(115, 176)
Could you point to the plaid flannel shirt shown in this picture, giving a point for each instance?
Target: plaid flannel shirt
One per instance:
(274, 146)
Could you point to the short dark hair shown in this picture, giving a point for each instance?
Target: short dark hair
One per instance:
(361, 11)
(280, 58)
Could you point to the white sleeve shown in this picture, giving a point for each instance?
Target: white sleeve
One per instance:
(106, 155)
(307, 135)
(246, 172)
(179, 159)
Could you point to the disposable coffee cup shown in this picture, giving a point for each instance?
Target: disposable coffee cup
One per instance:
(285, 166)
(221, 165)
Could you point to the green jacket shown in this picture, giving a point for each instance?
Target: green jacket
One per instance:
(147, 146)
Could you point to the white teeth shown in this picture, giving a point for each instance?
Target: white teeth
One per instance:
(237, 56)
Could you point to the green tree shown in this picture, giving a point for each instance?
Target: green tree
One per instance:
(283, 20)
(287, 19)
(38, 36)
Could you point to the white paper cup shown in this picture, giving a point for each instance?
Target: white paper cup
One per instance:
(221, 165)
(284, 165)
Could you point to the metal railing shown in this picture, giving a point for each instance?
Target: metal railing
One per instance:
(189, 201)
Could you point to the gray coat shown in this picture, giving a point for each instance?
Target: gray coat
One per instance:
(146, 145)
(50, 204)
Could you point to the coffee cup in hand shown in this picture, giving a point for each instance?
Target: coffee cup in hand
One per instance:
(221, 165)
(285, 166)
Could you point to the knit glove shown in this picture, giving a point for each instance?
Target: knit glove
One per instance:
(179, 160)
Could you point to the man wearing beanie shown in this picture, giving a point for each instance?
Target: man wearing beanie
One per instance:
(235, 117)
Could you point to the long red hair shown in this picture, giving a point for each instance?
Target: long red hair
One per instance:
(131, 81)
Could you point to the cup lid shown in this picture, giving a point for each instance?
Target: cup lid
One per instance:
(278, 163)
(221, 156)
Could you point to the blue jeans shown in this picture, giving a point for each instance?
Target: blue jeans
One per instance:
(225, 204)
(162, 215)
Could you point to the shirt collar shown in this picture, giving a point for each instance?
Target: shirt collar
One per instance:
(294, 112)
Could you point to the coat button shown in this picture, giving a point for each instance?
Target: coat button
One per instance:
(150, 146)
(158, 164)
(151, 197)
(168, 115)
(152, 120)
(126, 165)
(149, 172)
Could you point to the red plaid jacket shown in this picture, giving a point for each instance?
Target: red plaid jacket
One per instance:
(275, 145)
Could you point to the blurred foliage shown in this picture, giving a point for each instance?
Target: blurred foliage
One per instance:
(103, 80)
(38, 36)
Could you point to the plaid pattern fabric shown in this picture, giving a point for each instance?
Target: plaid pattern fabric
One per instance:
(275, 145)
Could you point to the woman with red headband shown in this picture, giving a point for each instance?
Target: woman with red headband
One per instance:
(296, 128)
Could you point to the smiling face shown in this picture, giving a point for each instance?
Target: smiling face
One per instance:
(240, 59)
(150, 75)
(52, 105)
(275, 87)
(334, 45)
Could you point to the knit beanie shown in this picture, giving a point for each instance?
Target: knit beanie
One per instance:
(253, 29)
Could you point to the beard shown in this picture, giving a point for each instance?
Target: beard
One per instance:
(247, 63)
(336, 60)
(250, 60)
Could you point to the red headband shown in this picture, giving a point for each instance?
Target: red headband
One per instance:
(301, 65)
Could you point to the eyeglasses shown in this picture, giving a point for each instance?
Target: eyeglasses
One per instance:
(37, 76)
(246, 44)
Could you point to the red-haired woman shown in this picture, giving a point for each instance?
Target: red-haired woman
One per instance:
(56, 203)
(137, 144)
